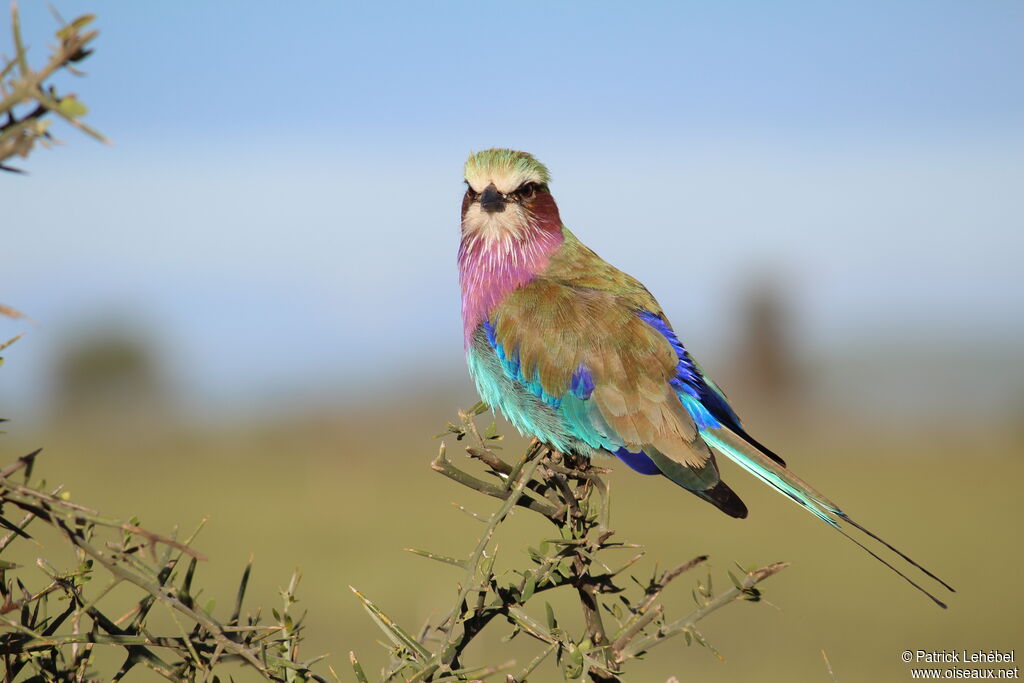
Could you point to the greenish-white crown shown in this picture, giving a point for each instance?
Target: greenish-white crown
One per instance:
(506, 168)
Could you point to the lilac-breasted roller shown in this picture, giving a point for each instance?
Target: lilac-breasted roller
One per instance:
(580, 355)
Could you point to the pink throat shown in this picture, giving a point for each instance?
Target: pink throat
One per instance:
(489, 271)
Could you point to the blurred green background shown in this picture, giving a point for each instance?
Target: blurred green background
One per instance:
(248, 307)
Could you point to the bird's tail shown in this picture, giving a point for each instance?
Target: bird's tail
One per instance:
(782, 480)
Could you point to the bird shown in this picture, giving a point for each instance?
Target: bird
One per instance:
(579, 355)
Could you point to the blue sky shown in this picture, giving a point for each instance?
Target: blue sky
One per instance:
(280, 206)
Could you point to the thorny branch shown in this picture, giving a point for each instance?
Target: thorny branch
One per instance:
(31, 637)
(48, 645)
(572, 495)
(26, 98)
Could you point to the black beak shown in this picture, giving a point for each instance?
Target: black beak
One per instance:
(491, 200)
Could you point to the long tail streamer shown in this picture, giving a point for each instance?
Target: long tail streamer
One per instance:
(785, 482)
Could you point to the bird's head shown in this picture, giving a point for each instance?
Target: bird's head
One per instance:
(506, 196)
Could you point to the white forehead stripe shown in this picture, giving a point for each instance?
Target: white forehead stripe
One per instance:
(505, 179)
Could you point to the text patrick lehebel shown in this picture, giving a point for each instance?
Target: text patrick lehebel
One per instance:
(964, 656)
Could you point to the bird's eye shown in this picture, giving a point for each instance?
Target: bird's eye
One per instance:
(527, 190)
(470, 192)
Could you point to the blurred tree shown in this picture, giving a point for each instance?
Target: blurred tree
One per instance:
(767, 362)
(110, 377)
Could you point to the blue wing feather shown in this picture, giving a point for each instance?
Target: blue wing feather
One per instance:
(704, 401)
(701, 398)
(568, 422)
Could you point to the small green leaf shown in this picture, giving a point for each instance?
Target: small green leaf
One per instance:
(76, 25)
(71, 107)
(550, 614)
(83, 21)
(573, 663)
(529, 588)
(357, 668)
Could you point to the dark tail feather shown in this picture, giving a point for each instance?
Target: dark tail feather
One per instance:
(723, 498)
(906, 578)
(898, 552)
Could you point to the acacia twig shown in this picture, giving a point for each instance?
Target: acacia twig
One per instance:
(27, 100)
(573, 496)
